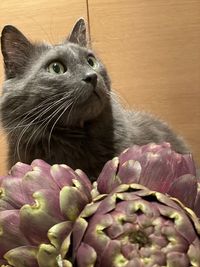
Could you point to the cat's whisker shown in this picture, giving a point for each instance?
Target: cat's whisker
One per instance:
(22, 124)
(119, 99)
(44, 123)
(111, 95)
(41, 112)
(72, 108)
(24, 128)
(49, 139)
(36, 122)
(42, 104)
(42, 127)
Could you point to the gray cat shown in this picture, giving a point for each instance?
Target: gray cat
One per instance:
(57, 105)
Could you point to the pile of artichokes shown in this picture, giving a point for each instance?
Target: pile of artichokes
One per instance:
(143, 211)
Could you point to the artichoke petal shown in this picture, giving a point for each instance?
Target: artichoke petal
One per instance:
(112, 255)
(107, 179)
(37, 179)
(5, 205)
(47, 254)
(129, 172)
(81, 186)
(90, 209)
(107, 205)
(95, 235)
(197, 201)
(64, 250)
(22, 256)
(36, 219)
(86, 256)
(3, 263)
(83, 177)
(180, 221)
(72, 202)
(177, 189)
(58, 232)
(41, 165)
(79, 229)
(16, 193)
(63, 263)
(11, 235)
(194, 254)
(177, 259)
(20, 169)
(62, 175)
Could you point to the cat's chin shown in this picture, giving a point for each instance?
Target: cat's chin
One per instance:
(84, 110)
(77, 117)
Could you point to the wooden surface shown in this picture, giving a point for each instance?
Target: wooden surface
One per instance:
(151, 49)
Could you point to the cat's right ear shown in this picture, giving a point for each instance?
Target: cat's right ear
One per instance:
(16, 50)
(78, 34)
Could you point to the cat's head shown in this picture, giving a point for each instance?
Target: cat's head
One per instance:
(64, 84)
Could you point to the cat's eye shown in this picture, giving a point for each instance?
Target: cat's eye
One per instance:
(92, 61)
(56, 68)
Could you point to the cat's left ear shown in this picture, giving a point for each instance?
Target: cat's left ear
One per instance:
(16, 50)
(78, 34)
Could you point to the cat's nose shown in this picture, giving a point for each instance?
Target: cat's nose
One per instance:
(91, 78)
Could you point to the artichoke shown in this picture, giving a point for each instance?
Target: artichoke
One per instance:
(38, 203)
(157, 167)
(52, 216)
(136, 227)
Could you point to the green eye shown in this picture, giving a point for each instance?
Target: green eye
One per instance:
(56, 68)
(92, 61)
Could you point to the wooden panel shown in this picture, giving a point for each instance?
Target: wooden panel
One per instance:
(152, 50)
(38, 20)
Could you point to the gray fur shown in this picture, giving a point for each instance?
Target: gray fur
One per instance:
(65, 118)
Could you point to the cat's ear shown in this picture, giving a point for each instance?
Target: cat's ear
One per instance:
(78, 34)
(16, 50)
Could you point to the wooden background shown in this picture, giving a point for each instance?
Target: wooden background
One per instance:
(151, 49)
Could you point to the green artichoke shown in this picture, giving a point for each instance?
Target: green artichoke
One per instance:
(52, 216)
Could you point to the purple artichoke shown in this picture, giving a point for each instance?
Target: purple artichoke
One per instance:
(158, 168)
(136, 227)
(39, 203)
(52, 215)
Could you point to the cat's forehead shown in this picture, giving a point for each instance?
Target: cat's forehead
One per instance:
(66, 50)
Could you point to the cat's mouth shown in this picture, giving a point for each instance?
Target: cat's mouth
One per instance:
(96, 94)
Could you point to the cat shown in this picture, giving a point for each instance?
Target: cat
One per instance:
(57, 105)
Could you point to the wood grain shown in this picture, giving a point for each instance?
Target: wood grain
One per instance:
(38, 20)
(152, 51)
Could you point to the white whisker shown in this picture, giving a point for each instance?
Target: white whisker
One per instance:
(35, 122)
(46, 121)
(49, 139)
